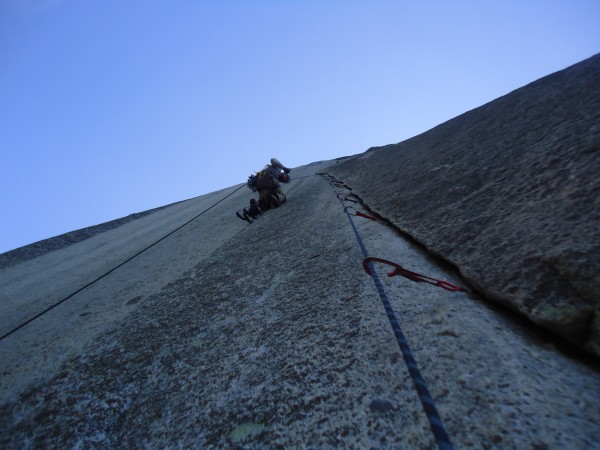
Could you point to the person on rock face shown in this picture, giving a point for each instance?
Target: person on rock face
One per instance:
(267, 184)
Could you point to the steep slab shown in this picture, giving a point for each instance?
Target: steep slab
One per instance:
(510, 194)
(270, 334)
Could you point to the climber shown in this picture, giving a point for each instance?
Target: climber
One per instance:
(266, 182)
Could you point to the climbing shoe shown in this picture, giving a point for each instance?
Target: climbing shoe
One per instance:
(243, 214)
(254, 210)
(274, 199)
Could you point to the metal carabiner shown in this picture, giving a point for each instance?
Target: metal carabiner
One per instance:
(343, 196)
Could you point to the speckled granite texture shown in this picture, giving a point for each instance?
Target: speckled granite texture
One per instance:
(510, 194)
(39, 248)
(270, 335)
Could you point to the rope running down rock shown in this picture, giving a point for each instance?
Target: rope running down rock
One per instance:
(51, 307)
(435, 422)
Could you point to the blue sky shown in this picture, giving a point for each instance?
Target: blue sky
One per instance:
(110, 107)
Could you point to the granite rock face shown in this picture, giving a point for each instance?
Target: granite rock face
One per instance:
(510, 194)
(44, 246)
(224, 334)
(185, 327)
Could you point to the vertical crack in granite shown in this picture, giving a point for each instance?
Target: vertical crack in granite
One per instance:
(509, 193)
(235, 335)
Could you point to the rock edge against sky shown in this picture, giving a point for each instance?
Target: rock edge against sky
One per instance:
(509, 193)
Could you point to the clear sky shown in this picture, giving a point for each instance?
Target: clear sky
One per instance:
(110, 107)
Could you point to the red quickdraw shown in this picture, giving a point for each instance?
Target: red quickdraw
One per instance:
(399, 270)
(354, 212)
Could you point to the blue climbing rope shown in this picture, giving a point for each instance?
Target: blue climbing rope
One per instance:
(435, 422)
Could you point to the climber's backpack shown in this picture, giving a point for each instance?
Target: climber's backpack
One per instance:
(251, 183)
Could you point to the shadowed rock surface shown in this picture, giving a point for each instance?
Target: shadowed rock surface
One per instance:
(510, 194)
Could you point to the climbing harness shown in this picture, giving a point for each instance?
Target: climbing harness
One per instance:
(414, 276)
(435, 422)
